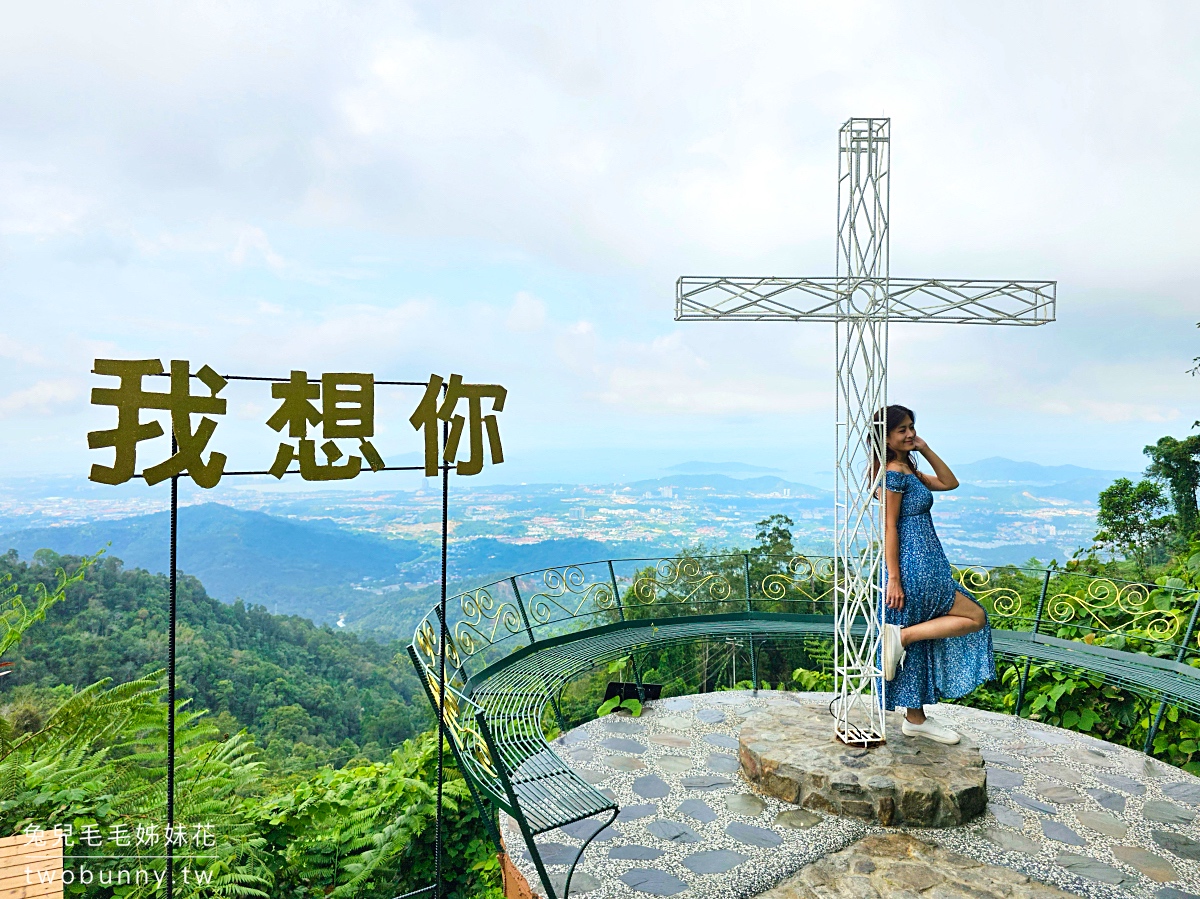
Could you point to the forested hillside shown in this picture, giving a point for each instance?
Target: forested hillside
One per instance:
(308, 694)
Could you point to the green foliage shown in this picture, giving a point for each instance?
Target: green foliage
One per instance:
(819, 653)
(368, 831)
(100, 762)
(1177, 462)
(1132, 520)
(633, 706)
(308, 694)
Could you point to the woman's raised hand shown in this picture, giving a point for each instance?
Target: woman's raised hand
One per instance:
(919, 444)
(895, 594)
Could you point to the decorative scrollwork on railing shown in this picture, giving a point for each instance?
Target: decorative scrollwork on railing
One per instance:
(682, 581)
(426, 642)
(1132, 602)
(569, 590)
(461, 727)
(484, 617)
(1006, 602)
(799, 570)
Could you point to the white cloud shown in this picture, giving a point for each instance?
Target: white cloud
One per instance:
(527, 315)
(43, 398)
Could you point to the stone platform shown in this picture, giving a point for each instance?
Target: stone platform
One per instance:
(897, 864)
(1086, 817)
(788, 752)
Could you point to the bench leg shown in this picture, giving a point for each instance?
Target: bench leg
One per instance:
(571, 871)
(1153, 732)
(754, 664)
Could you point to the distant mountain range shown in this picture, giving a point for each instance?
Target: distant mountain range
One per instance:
(717, 468)
(326, 572)
(1000, 472)
(295, 567)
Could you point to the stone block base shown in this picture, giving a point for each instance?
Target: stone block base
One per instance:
(792, 754)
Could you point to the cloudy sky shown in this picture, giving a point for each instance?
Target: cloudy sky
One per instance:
(509, 191)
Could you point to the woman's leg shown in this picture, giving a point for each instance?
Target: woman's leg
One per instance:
(965, 617)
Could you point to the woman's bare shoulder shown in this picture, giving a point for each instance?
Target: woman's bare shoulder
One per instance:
(898, 467)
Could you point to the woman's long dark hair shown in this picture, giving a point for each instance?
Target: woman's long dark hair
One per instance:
(886, 421)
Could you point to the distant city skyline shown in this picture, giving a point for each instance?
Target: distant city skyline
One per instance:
(416, 187)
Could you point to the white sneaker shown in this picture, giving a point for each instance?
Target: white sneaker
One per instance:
(893, 651)
(930, 730)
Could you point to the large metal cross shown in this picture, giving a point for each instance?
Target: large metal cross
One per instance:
(861, 299)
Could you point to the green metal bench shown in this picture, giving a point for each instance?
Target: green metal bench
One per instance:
(512, 646)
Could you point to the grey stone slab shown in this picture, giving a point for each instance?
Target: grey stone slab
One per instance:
(1184, 847)
(1063, 834)
(677, 704)
(1094, 870)
(995, 757)
(573, 738)
(1009, 817)
(582, 755)
(674, 722)
(746, 804)
(796, 818)
(1000, 779)
(1061, 795)
(1054, 738)
(723, 740)
(1038, 752)
(581, 830)
(1012, 841)
(711, 716)
(1091, 755)
(752, 835)
(554, 853)
(1182, 791)
(1167, 812)
(713, 861)
(637, 810)
(651, 786)
(1121, 782)
(675, 832)
(634, 852)
(1032, 804)
(674, 764)
(1172, 893)
(581, 882)
(1060, 772)
(624, 762)
(619, 724)
(653, 881)
(1149, 863)
(1148, 767)
(673, 740)
(724, 764)
(697, 809)
(608, 794)
(591, 775)
(624, 744)
(728, 697)
(706, 782)
(1114, 802)
(1102, 822)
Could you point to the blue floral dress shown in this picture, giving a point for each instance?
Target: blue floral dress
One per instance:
(933, 669)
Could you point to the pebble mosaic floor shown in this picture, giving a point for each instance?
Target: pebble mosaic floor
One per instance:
(1089, 817)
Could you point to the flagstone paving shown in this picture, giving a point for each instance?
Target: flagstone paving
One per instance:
(1081, 815)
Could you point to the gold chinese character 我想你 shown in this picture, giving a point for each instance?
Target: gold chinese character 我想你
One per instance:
(130, 397)
(347, 411)
(429, 413)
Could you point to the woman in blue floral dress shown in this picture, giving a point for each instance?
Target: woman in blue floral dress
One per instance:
(936, 639)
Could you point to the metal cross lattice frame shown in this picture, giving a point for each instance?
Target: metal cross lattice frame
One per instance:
(861, 299)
